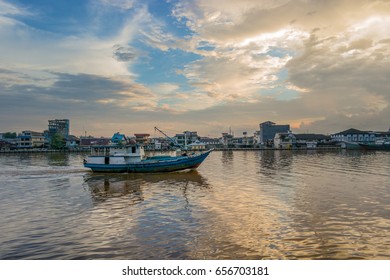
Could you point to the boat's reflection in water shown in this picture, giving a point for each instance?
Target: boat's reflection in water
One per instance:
(107, 185)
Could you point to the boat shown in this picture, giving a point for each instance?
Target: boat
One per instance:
(131, 158)
(382, 145)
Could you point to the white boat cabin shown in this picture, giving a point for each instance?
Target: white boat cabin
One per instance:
(116, 154)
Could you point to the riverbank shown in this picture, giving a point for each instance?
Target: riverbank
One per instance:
(330, 148)
(41, 151)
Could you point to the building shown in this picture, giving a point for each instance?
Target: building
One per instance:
(268, 131)
(158, 144)
(307, 140)
(72, 142)
(197, 145)
(94, 141)
(284, 140)
(185, 138)
(227, 140)
(142, 138)
(243, 142)
(354, 135)
(118, 138)
(61, 127)
(256, 138)
(31, 139)
(211, 142)
(312, 141)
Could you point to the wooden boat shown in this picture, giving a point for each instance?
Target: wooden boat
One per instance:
(132, 159)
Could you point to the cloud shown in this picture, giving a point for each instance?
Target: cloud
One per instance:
(124, 54)
(335, 67)
(7, 9)
(304, 62)
(122, 4)
(26, 48)
(240, 20)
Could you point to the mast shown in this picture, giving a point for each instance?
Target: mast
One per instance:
(173, 141)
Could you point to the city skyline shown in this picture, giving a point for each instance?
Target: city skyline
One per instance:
(128, 65)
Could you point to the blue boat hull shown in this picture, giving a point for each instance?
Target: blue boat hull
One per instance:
(151, 166)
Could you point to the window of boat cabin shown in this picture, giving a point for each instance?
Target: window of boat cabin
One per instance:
(133, 150)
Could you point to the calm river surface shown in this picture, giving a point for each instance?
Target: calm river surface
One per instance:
(237, 205)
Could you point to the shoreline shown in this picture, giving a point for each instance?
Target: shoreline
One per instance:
(26, 151)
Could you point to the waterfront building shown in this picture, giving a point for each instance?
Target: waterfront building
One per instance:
(142, 138)
(382, 134)
(312, 141)
(185, 138)
(118, 138)
(72, 142)
(244, 141)
(58, 126)
(92, 141)
(307, 140)
(354, 135)
(159, 143)
(227, 140)
(256, 139)
(197, 145)
(31, 139)
(268, 131)
(211, 142)
(284, 140)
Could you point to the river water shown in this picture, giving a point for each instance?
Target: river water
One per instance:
(236, 205)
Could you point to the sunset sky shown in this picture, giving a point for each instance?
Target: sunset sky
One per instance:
(200, 65)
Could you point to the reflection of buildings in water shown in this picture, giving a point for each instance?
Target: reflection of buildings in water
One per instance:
(104, 186)
(227, 157)
(273, 160)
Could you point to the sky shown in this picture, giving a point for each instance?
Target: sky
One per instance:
(321, 66)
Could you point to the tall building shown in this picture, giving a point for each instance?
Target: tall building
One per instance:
(61, 127)
(269, 129)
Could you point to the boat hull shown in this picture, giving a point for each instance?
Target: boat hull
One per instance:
(151, 166)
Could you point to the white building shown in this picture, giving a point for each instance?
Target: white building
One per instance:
(31, 139)
(354, 135)
(197, 145)
(284, 140)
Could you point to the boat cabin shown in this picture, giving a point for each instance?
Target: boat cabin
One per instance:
(116, 154)
(128, 150)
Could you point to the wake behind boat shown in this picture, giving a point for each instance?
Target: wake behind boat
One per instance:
(132, 159)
